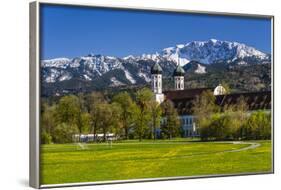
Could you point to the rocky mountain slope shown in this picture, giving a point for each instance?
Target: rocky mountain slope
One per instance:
(64, 75)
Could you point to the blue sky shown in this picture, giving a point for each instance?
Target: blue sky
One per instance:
(68, 31)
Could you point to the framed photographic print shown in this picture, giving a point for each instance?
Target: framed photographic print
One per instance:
(127, 94)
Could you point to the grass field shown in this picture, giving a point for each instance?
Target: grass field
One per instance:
(69, 163)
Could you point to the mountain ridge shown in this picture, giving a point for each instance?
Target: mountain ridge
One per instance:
(136, 69)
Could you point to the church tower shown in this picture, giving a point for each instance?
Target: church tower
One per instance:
(179, 78)
(156, 82)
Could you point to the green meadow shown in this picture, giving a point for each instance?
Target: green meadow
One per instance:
(70, 163)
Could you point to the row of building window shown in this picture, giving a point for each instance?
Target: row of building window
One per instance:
(187, 121)
(184, 120)
(190, 133)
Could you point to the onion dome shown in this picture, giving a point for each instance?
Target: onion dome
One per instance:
(156, 69)
(179, 71)
(219, 90)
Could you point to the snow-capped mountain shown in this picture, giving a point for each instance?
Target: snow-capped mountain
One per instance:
(86, 67)
(136, 69)
(211, 51)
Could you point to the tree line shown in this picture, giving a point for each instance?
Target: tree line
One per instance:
(128, 116)
(230, 122)
(138, 116)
